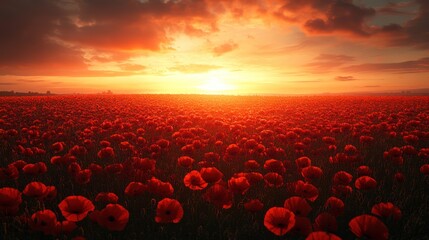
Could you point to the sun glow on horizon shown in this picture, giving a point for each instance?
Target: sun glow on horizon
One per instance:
(215, 85)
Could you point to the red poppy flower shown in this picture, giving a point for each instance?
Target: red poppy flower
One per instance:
(302, 162)
(77, 150)
(107, 197)
(369, 227)
(394, 155)
(334, 206)
(106, 153)
(298, 205)
(75, 208)
(43, 221)
(194, 181)
(125, 146)
(57, 147)
(211, 157)
(36, 189)
(232, 150)
(320, 235)
(311, 173)
(238, 185)
(365, 183)
(135, 189)
(366, 139)
(52, 193)
(73, 168)
(160, 188)
(279, 220)
(9, 172)
(114, 169)
(219, 196)
(342, 178)
(253, 177)
(163, 143)
(188, 149)
(325, 222)
(168, 211)
(364, 171)
(144, 164)
(274, 165)
(83, 176)
(410, 150)
(185, 161)
(251, 164)
(211, 174)
(273, 179)
(10, 199)
(113, 217)
(35, 168)
(350, 150)
(65, 227)
(387, 210)
(306, 190)
(329, 140)
(424, 169)
(95, 168)
(19, 164)
(254, 205)
(424, 153)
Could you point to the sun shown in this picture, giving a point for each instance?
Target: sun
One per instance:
(215, 85)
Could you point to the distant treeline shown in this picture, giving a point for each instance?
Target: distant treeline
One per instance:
(29, 93)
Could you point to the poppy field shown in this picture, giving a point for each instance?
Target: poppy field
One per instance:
(214, 167)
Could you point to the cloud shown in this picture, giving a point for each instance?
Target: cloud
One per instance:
(7, 83)
(65, 38)
(342, 16)
(29, 36)
(413, 33)
(414, 66)
(304, 81)
(30, 80)
(224, 48)
(396, 8)
(69, 72)
(345, 78)
(328, 62)
(54, 37)
(194, 68)
(372, 86)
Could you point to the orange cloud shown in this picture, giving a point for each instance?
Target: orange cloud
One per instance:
(345, 78)
(224, 48)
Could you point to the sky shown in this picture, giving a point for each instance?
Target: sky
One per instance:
(235, 47)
